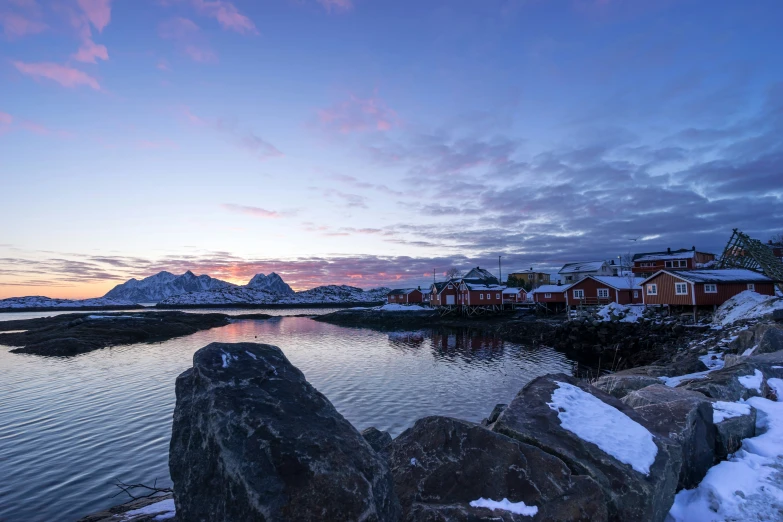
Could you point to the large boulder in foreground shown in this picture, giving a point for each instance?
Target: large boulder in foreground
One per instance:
(686, 417)
(740, 381)
(621, 385)
(441, 465)
(597, 435)
(253, 440)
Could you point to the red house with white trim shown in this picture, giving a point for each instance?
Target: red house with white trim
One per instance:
(700, 288)
(601, 290)
(405, 296)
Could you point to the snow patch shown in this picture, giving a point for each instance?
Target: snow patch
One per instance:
(746, 305)
(673, 382)
(164, 509)
(402, 308)
(752, 382)
(591, 419)
(518, 508)
(777, 386)
(726, 410)
(251, 355)
(622, 313)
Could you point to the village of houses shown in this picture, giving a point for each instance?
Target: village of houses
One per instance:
(684, 280)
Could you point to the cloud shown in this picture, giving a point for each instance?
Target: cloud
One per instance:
(89, 51)
(189, 39)
(65, 76)
(252, 211)
(358, 115)
(227, 15)
(336, 5)
(17, 25)
(243, 138)
(98, 12)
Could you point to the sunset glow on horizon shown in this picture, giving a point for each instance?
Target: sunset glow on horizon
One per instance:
(372, 142)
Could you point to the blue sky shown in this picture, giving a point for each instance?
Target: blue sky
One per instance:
(369, 142)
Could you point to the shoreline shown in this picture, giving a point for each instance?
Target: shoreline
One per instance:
(72, 309)
(270, 306)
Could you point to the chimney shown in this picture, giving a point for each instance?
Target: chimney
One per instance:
(694, 248)
(769, 242)
(669, 250)
(558, 282)
(612, 261)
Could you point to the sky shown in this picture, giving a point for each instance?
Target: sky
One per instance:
(376, 142)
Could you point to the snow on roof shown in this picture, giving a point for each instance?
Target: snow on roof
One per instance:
(551, 289)
(473, 286)
(661, 256)
(481, 274)
(513, 290)
(620, 283)
(735, 275)
(586, 266)
(403, 291)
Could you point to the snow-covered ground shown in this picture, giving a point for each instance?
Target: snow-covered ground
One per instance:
(519, 508)
(591, 419)
(38, 301)
(393, 307)
(164, 510)
(250, 296)
(749, 485)
(622, 313)
(746, 305)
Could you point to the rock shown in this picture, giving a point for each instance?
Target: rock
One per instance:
(494, 414)
(777, 315)
(59, 347)
(730, 432)
(377, 439)
(630, 494)
(731, 359)
(770, 341)
(743, 341)
(253, 440)
(621, 385)
(152, 507)
(724, 384)
(691, 364)
(440, 465)
(651, 371)
(687, 417)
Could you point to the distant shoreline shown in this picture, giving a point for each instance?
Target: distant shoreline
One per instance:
(273, 306)
(72, 308)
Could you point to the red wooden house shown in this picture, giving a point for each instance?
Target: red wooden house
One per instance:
(472, 294)
(699, 288)
(601, 290)
(405, 296)
(649, 263)
(551, 297)
(444, 293)
(514, 295)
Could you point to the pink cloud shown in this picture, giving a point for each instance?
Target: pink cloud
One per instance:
(162, 65)
(65, 76)
(200, 54)
(16, 25)
(97, 11)
(252, 211)
(187, 34)
(89, 51)
(227, 15)
(358, 115)
(336, 5)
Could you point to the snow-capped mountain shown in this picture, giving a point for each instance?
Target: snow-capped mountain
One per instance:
(37, 301)
(158, 287)
(245, 295)
(272, 283)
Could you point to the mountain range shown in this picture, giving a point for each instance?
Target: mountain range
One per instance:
(158, 287)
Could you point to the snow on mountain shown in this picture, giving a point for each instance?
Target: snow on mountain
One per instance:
(272, 283)
(37, 301)
(158, 287)
(245, 295)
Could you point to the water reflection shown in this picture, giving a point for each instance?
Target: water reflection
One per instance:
(70, 426)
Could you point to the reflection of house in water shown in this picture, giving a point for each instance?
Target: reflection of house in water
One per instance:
(467, 341)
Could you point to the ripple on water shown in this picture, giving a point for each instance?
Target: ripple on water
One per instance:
(70, 427)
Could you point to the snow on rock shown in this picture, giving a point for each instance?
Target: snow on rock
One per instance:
(673, 382)
(747, 487)
(518, 508)
(776, 385)
(38, 301)
(164, 510)
(155, 288)
(622, 313)
(746, 305)
(272, 283)
(726, 410)
(752, 382)
(244, 295)
(591, 419)
(402, 308)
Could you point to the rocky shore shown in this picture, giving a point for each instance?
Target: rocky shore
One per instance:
(72, 334)
(253, 440)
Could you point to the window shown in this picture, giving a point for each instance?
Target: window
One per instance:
(579, 294)
(497, 296)
(481, 296)
(668, 264)
(603, 292)
(681, 288)
(548, 296)
(635, 294)
(652, 289)
(752, 287)
(710, 289)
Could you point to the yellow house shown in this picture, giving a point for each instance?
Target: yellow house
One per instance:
(529, 278)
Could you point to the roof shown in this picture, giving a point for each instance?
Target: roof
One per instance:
(513, 290)
(479, 287)
(480, 275)
(528, 272)
(551, 289)
(585, 266)
(403, 291)
(727, 275)
(618, 283)
(684, 253)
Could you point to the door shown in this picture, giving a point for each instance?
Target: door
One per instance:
(449, 300)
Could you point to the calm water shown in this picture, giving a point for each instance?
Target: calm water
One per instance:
(69, 427)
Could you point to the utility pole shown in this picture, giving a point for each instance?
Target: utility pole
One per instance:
(500, 274)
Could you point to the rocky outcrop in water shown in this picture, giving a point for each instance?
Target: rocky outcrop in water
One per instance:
(253, 440)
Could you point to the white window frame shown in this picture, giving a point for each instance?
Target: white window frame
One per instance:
(497, 296)
(636, 294)
(580, 295)
(677, 287)
(547, 296)
(604, 291)
(652, 289)
(481, 296)
(710, 288)
(668, 264)
(752, 287)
